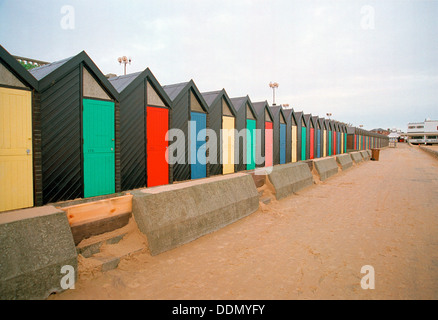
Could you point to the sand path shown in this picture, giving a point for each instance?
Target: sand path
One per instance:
(308, 246)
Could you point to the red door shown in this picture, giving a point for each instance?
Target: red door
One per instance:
(157, 121)
(312, 143)
(334, 142)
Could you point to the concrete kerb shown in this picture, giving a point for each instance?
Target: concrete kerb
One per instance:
(345, 161)
(290, 178)
(356, 157)
(173, 215)
(35, 244)
(429, 151)
(326, 167)
(365, 155)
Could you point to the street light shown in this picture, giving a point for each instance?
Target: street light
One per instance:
(273, 85)
(125, 60)
(329, 115)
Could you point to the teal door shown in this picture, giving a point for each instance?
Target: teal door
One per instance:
(282, 143)
(303, 143)
(197, 146)
(99, 145)
(329, 143)
(250, 144)
(345, 143)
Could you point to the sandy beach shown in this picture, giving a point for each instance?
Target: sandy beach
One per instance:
(311, 245)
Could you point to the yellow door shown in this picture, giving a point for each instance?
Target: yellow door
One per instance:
(294, 143)
(342, 142)
(16, 182)
(228, 144)
(325, 144)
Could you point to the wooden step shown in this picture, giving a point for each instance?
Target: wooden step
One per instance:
(91, 248)
(104, 252)
(98, 217)
(98, 210)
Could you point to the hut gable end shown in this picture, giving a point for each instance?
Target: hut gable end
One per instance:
(9, 79)
(152, 97)
(226, 109)
(194, 103)
(91, 88)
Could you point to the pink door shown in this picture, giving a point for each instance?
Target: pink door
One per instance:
(269, 141)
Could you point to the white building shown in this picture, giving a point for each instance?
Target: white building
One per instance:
(423, 132)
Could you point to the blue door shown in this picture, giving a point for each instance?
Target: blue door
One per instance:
(198, 146)
(338, 141)
(318, 143)
(282, 143)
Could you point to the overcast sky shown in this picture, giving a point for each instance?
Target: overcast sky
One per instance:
(370, 63)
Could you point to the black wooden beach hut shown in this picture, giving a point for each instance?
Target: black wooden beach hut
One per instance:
(20, 155)
(145, 115)
(279, 135)
(79, 117)
(246, 142)
(222, 115)
(264, 125)
(190, 116)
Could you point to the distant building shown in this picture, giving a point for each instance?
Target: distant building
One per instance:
(423, 132)
(382, 131)
(33, 62)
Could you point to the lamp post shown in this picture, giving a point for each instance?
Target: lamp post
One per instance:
(329, 115)
(125, 60)
(273, 85)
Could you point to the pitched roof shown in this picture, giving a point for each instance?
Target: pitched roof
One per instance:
(211, 96)
(239, 102)
(259, 106)
(126, 83)
(288, 114)
(275, 110)
(298, 114)
(121, 82)
(174, 90)
(45, 70)
(50, 73)
(19, 71)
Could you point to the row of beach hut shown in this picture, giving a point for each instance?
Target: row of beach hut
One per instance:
(69, 132)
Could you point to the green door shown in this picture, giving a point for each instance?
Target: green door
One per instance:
(329, 143)
(303, 143)
(250, 144)
(99, 145)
